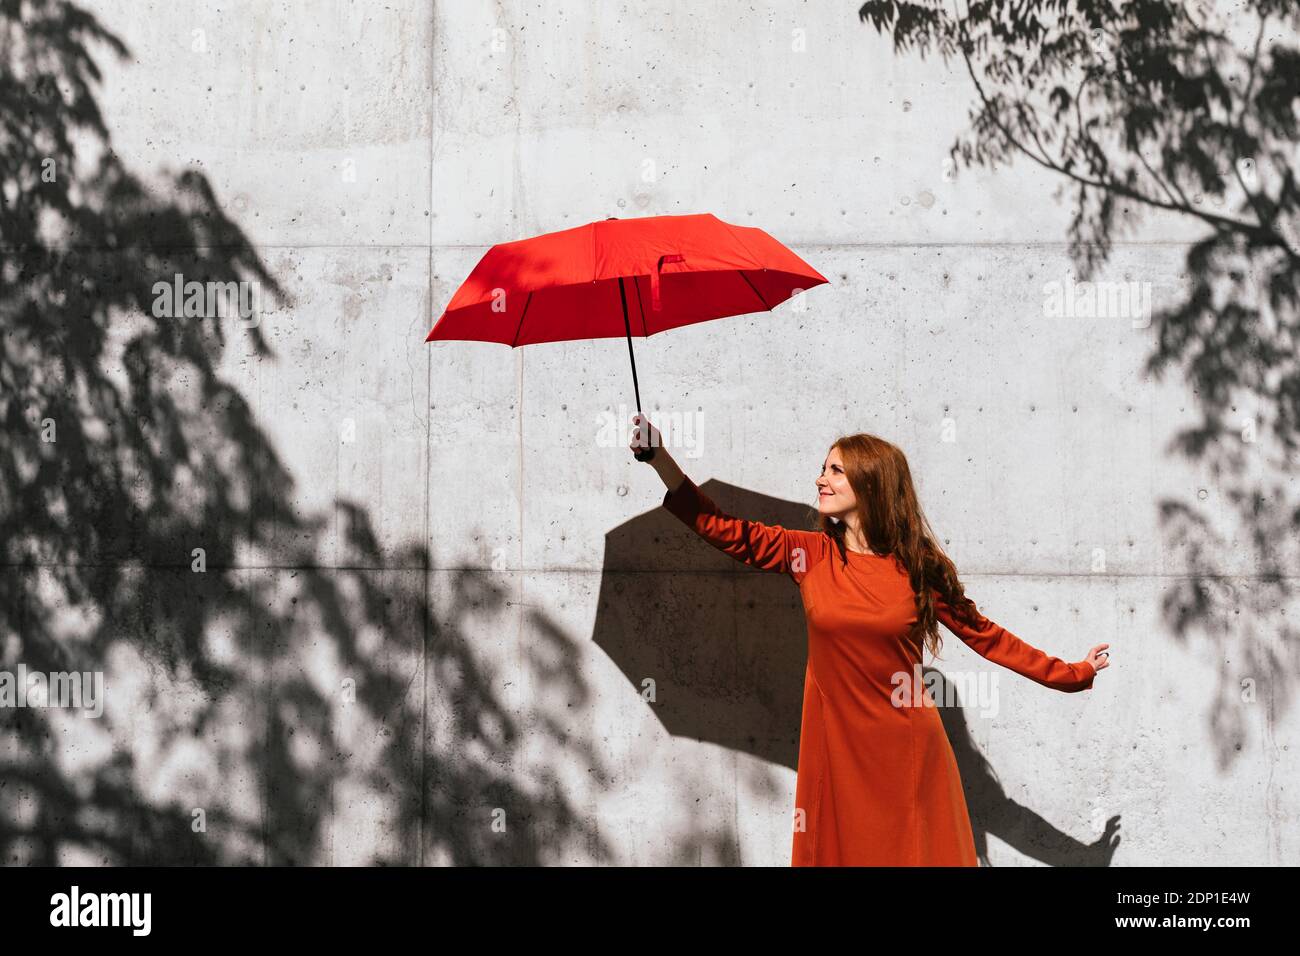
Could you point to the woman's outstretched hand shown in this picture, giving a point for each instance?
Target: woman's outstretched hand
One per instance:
(1098, 657)
(645, 438)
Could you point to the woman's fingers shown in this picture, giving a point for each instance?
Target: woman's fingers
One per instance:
(643, 433)
(644, 438)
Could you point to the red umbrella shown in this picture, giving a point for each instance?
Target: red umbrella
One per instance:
(621, 277)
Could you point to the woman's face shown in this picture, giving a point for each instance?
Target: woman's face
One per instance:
(835, 498)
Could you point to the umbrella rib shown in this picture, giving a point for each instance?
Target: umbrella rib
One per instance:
(735, 234)
(640, 306)
(527, 303)
(756, 292)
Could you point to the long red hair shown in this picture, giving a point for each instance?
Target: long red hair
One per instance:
(893, 523)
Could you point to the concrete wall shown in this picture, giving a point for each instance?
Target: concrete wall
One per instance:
(427, 617)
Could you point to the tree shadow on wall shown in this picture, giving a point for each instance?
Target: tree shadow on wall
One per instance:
(1178, 109)
(261, 707)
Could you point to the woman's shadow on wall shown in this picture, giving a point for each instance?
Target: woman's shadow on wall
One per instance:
(719, 651)
(992, 811)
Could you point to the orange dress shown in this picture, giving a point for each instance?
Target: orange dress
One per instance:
(877, 782)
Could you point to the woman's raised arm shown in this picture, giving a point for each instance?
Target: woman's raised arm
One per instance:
(762, 546)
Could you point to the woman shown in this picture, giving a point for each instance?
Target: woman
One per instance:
(877, 782)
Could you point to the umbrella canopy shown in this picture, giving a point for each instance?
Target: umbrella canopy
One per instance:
(619, 277)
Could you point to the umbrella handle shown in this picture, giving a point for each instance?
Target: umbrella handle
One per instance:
(648, 452)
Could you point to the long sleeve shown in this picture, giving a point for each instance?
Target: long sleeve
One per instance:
(762, 546)
(999, 645)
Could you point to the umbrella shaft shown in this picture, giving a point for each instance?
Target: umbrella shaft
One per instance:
(645, 454)
(622, 294)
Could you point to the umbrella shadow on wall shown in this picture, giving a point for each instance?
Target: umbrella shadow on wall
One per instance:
(718, 651)
(271, 710)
